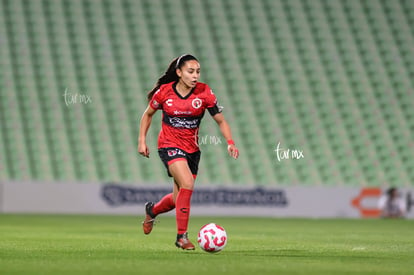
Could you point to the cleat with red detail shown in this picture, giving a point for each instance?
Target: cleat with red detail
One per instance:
(183, 242)
(148, 223)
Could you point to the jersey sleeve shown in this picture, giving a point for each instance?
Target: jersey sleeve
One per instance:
(156, 100)
(212, 103)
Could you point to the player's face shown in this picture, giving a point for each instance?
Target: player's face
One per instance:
(189, 73)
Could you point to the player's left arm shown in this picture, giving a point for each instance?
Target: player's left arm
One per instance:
(226, 132)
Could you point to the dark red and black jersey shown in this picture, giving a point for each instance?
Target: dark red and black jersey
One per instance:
(181, 116)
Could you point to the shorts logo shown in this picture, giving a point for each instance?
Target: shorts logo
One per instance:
(172, 153)
(196, 103)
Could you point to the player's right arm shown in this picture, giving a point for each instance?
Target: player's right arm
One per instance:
(143, 130)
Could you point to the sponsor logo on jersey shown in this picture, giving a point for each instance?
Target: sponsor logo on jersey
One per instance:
(176, 112)
(182, 122)
(169, 102)
(196, 103)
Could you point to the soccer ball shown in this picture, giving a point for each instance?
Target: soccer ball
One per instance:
(212, 238)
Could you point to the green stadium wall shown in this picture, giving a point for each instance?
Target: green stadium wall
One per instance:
(330, 78)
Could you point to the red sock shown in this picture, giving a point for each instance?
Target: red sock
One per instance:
(182, 210)
(164, 205)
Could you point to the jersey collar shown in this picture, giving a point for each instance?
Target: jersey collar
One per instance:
(174, 86)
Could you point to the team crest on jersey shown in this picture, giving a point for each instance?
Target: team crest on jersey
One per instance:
(196, 103)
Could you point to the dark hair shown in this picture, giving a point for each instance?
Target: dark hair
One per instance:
(170, 74)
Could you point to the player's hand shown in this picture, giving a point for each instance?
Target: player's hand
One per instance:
(143, 149)
(233, 151)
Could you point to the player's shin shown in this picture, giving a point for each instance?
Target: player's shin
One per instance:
(183, 209)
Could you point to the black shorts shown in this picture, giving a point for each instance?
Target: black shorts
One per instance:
(171, 154)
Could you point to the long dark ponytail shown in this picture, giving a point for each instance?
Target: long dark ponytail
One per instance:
(170, 74)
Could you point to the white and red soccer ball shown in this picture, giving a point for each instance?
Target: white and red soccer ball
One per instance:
(212, 238)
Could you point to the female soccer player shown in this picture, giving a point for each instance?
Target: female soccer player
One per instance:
(183, 101)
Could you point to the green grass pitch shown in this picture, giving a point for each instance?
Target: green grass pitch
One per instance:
(73, 244)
